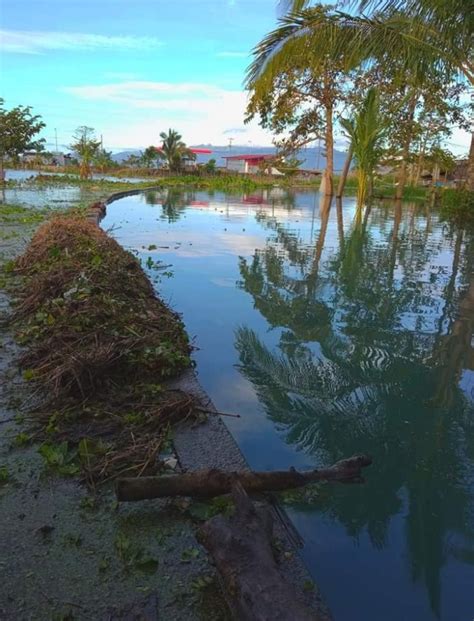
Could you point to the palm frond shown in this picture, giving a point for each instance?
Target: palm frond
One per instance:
(314, 36)
(290, 6)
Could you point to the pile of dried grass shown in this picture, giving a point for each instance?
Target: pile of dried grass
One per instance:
(99, 342)
(90, 315)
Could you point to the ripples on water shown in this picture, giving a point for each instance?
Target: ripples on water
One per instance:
(334, 334)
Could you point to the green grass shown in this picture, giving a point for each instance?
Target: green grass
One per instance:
(384, 187)
(17, 214)
(219, 182)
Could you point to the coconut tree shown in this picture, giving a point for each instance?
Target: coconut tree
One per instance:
(422, 35)
(366, 131)
(103, 160)
(295, 84)
(174, 151)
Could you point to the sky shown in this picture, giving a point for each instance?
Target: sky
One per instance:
(134, 68)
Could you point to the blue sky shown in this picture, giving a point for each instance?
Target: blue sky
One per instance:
(133, 68)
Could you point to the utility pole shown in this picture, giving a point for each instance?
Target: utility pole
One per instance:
(56, 138)
(231, 140)
(101, 143)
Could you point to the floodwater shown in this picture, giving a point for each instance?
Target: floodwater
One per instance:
(54, 196)
(331, 333)
(22, 175)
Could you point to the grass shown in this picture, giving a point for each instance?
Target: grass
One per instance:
(218, 182)
(384, 186)
(17, 214)
(97, 343)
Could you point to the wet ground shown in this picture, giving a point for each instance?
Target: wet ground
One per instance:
(67, 555)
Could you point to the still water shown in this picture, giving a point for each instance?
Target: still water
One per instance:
(334, 333)
(54, 196)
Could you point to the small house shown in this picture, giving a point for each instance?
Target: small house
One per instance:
(251, 164)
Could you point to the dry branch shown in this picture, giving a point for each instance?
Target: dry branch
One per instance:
(241, 548)
(209, 483)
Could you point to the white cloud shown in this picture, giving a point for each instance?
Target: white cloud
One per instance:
(37, 42)
(203, 113)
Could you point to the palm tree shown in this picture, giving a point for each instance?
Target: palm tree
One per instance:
(366, 131)
(103, 160)
(422, 35)
(280, 53)
(174, 151)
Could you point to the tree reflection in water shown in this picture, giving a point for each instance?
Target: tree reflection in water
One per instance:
(173, 201)
(373, 345)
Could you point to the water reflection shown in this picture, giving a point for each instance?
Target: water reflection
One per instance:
(334, 330)
(373, 349)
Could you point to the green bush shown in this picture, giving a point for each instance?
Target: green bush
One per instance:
(458, 205)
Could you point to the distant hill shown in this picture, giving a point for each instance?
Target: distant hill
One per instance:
(311, 158)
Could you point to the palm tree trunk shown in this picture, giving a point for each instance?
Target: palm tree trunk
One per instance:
(324, 209)
(345, 171)
(326, 187)
(361, 188)
(435, 178)
(402, 179)
(470, 166)
(329, 140)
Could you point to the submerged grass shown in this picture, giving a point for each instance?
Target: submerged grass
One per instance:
(99, 344)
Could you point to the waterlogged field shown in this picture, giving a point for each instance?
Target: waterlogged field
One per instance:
(333, 335)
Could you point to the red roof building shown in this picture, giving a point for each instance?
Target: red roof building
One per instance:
(247, 164)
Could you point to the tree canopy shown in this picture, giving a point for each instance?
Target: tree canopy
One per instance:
(174, 151)
(87, 147)
(18, 129)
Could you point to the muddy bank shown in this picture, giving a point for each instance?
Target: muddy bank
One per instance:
(69, 554)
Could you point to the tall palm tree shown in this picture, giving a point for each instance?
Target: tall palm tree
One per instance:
(366, 131)
(422, 35)
(174, 151)
(280, 53)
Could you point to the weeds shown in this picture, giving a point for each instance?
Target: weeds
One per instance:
(59, 458)
(97, 341)
(134, 556)
(89, 315)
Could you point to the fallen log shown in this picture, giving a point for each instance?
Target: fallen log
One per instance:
(241, 548)
(213, 482)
